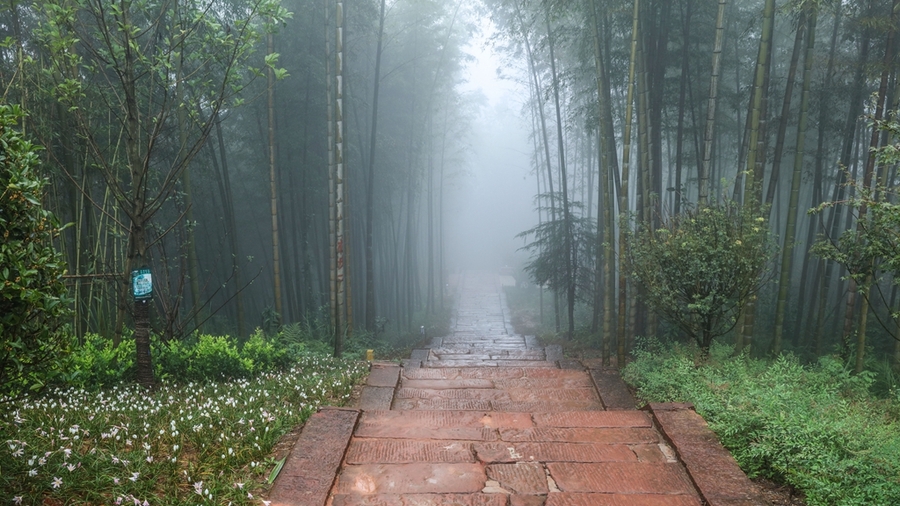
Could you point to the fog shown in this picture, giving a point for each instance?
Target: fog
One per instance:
(493, 199)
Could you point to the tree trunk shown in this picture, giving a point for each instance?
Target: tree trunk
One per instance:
(784, 282)
(567, 219)
(711, 107)
(370, 185)
(273, 185)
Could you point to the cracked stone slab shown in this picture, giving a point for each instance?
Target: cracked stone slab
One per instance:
(621, 478)
(419, 478)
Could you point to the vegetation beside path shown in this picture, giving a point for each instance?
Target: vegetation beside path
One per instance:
(207, 440)
(816, 427)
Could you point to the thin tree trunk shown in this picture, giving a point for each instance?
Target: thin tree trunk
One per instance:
(567, 219)
(273, 186)
(785, 112)
(622, 334)
(784, 282)
(711, 107)
(370, 188)
(339, 178)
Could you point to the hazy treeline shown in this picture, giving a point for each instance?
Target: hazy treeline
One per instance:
(642, 109)
(163, 121)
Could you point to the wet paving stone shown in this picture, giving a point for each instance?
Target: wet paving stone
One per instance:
(593, 419)
(442, 384)
(485, 417)
(621, 478)
(570, 499)
(581, 435)
(400, 451)
(545, 406)
(420, 500)
(419, 478)
(553, 452)
(553, 394)
(520, 478)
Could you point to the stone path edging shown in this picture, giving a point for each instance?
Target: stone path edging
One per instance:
(311, 468)
(715, 473)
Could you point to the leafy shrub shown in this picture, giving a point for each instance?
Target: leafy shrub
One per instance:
(264, 355)
(96, 363)
(700, 267)
(814, 427)
(32, 294)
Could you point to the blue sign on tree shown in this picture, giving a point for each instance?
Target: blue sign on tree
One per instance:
(142, 284)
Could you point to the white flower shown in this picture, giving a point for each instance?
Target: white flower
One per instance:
(32, 472)
(134, 476)
(57, 482)
(17, 499)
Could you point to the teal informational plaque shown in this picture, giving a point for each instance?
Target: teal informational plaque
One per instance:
(142, 283)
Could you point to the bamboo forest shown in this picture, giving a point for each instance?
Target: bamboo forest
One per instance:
(221, 213)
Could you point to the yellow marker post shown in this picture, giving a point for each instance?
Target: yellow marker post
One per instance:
(370, 355)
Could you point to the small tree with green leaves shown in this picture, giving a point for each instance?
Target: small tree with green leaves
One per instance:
(701, 266)
(32, 293)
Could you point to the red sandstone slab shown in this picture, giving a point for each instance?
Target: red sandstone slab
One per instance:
(383, 376)
(405, 451)
(612, 389)
(376, 397)
(442, 404)
(553, 394)
(520, 478)
(419, 500)
(714, 471)
(553, 452)
(419, 373)
(526, 363)
(441, 384)
(572, 499)
(420, 478)
(555, 373)
(483, 394)
(527, 500)
(492, 373)
(404, 419)
(614, 435)
(309, 470)
(621, 478)
(582, 382)
(460, 363)
(650, 453)
(546, 406)
(447, 433)
(593, 419)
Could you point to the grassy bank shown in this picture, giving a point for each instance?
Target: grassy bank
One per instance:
(814, 427)
(183, 443)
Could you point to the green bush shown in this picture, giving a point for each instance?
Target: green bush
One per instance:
(264, 355)
(96, 363)
(32, 293)
(814, 427)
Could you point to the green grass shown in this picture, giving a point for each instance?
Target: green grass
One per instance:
(814, 427)
(183, 443)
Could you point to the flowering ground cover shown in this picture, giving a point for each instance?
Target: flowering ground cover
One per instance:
(178, 444)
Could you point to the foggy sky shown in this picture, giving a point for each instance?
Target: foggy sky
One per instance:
(493, 200)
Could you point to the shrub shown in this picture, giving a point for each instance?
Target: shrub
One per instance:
(96, 363)
(700, 267)
(32, 293)
(264, 355)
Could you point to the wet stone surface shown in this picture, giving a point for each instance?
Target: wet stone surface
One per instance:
(485, 417)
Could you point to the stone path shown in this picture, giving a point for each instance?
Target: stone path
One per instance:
(485, 417)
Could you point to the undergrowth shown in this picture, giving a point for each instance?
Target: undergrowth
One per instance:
(814, 427)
